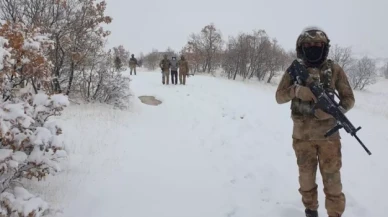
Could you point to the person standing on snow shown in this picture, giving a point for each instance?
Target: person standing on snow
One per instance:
(132, 64)
(183, 70)
(310, 146)
(165, 66)
(174, 70)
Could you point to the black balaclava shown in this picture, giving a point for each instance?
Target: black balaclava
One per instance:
(313, 54)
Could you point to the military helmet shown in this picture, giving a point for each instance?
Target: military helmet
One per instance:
(312, 34)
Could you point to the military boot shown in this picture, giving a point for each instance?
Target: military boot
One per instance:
(311, 213)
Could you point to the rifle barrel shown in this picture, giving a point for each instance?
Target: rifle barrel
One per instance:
(362, 144)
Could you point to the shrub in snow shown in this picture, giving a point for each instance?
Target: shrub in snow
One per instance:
(24, 57)
(20, 202)
(31, 147)
(102, 82)
(31, 143)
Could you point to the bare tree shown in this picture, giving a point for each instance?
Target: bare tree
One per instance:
(11, 10)
(276, 59)
(385, 70)
(236, 57)
(100, 81)
(362, 73)
(342, 56)
(73, 25)
(193, 56)
(255, 54)
(75, 28)
(208, 44)
(151, 60)
(170, 52)
(140, 60)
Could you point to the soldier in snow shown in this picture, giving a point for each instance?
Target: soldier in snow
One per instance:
(309, 126)
(165, 65)
(183, 70)
(133, 64)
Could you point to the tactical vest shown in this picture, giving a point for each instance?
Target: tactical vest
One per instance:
(302, 108)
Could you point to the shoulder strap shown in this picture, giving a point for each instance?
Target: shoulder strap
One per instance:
(328, 75)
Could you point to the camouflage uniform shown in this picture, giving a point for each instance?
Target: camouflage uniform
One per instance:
(132, 64)
(310, 146)
(165, 66)
(183, 70)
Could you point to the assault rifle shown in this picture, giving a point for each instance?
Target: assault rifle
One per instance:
(325, 101)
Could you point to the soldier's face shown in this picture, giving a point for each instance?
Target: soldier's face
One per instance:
(312, 44)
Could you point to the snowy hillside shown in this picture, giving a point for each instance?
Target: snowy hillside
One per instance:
(213, 148)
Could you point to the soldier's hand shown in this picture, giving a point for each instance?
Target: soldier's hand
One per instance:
(304, 93)
(342, 109)
(321, 115)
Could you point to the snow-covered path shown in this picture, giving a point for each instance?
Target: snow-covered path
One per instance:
(213, 148)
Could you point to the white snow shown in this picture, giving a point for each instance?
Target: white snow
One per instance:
(30, 44)
(19, 156)
(13, 164)
(41, 99)
(42, 136)
(59, 100)
(3, 51)
(213, 148)
(5, 153)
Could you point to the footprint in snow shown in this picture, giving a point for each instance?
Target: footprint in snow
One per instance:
(249, 176)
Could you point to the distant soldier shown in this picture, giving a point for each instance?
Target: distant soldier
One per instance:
(174, 70)
(165, 65)
(132, 64)
(183, 70)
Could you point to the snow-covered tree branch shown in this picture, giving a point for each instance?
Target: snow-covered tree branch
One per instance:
(362, 73)
(31, 141)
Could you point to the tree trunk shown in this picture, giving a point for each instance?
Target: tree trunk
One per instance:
(70, 77)
(58, 64)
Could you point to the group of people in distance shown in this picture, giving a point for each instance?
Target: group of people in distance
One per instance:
(171, 67)
(168, 67)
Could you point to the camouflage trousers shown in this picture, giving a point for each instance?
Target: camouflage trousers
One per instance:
(165, 77)
(182, 78)
(326, 154)
(132, 69)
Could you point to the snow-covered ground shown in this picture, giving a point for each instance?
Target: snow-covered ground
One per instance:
(213, 148)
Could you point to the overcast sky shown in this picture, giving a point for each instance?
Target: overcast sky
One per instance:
(145, 24)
